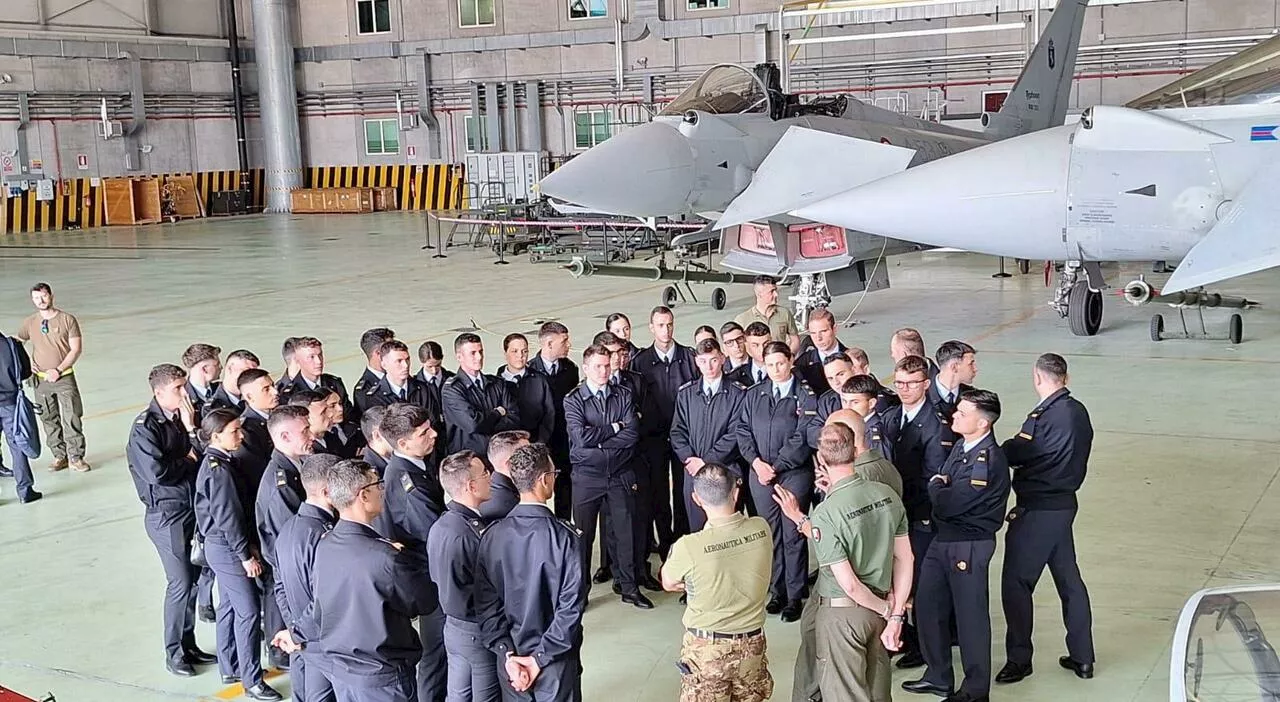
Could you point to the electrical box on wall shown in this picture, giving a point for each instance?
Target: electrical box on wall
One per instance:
(505, 177)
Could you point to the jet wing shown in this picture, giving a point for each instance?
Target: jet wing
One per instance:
(1241, 242)
(808, 166)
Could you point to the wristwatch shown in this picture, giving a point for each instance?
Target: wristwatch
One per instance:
(898, 618)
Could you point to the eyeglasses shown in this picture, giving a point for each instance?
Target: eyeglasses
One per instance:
(376, 483)
(904, 384)
(735, 342)
(44, 326)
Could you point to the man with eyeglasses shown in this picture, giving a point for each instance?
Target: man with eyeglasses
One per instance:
(55, 348)
(733, 340)
(921, 441)
(368, 590)
(752, 371)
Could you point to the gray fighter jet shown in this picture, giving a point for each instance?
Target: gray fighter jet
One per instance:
(1187, 173)
(710, 144)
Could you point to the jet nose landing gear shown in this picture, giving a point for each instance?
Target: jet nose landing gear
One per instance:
(1080, 301)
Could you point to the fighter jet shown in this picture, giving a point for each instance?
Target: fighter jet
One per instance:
(1194, 183)
(705, 148)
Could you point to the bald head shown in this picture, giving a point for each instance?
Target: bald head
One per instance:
(850, 419)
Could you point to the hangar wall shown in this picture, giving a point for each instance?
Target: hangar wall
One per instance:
(65, 56)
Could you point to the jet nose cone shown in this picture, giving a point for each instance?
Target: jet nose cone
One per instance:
(645, 171)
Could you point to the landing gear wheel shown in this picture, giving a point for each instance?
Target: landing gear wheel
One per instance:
(718, 299)
(1157, 327)
(670, 296)
(1024, 266)
(1235, 329)
(1084, 309)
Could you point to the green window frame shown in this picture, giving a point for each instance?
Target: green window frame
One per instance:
(591, 127)
(373, 16)
(381, 137)
(476, 13)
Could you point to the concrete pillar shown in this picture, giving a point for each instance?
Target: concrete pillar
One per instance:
(278, 97)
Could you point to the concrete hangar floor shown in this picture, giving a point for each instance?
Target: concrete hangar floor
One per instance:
(1181, 493)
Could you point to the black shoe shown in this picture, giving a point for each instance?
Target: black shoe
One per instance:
(911, 659)
(638, 600)
(207, 614)
(1013, 672)
(195, 656)
(924, 687)
(791, 613)
(650, 583)
(1084, 671)
(181, 669)
(603, 575)
(32, 496)
(6, 472)
(262, 691)
(775, 605)
(230, 679)
(617, 588)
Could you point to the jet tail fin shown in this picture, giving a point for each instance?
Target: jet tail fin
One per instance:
(1241, 242)
(787, 179)
(1039, 99)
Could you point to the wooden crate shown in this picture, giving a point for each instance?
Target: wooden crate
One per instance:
(332, 201)
(132, 200)
(386, 199)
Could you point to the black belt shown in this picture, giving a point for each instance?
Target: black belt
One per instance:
(716, 635)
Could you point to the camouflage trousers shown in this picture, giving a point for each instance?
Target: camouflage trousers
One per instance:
(725, 670)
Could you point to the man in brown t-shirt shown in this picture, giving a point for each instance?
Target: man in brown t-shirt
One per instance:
(55, 347)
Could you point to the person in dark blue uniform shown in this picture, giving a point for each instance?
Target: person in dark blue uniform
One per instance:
(531, 590)
(861, 393)
(503, 495)
(908, 342)
(603, 437)
(885, 397)
(476, 405)
(398, 385)
(376, 451)
(666, 365)
(368, 591)
(531, 390)
(452, 550)
(705, 428)
(259, 396)
(414, 501)
(733, 341)
(562, 376)
(619, 325)
(230, 546)
(318, 420)
(163, 467)
(969, 495)
(702, 333)
(822, 346)
(773, 437)
(920, 442)
(294, 582)
(756, 336)
(371, 346)
(14, 362)
(308, 354)
(1050, 457)
(957, 369)
(836, 370)
(432, 372)
(203, 363)
(228, 392)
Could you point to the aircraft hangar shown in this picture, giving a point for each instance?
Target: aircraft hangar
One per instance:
(235, 172)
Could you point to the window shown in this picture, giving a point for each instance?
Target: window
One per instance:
(590, 128)
(588, 9)
(708, 4)
(475, 13)
(373, 16)
(381, 137)
(477, 134)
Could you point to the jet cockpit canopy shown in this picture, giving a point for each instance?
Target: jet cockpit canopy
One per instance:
(724, 89)
(1251, 77)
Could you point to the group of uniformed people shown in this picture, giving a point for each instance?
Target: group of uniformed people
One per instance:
(331, 522)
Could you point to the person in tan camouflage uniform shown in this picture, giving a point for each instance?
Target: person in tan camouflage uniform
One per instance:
(724, 569)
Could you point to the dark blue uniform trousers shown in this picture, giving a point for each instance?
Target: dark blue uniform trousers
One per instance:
(307, 683)
(433, 669)
(617, 495)
(239, 624)
(403, 688)
(23, 479)
(473, 674)
(559, 682)
(1038, 538)
(790, 550)
(171, 532)
(953, 582)
(204, 588)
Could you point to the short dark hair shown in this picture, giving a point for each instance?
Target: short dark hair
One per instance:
(857, 355)
(714, 484)
(549, 329)
(401, 420)
(605, 338)
(42, 287)
(912, 364)
(390, 345)
(836, 444)
(777, 347)
(608, 321)
(199, 353)
(305, 398)
(528, 464)
(661, 309)
(987, 403)
(243, 355)
(284, 414)
(215, 421)
(594, 350)
(371, 341)
(164, 374)
(316, 467)
(1052, 365)
(465, 338)
(346, 480)
(705, 329)
(430, 351)
(370, 420)
(504, 442)
(707, 346)
(952, 351)
(758, 329)
(455, 470)
(730, 327)
(836, 358)
(506, 340)
(861, 385)
(251, 375)
(307, 342)
(764, 280)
